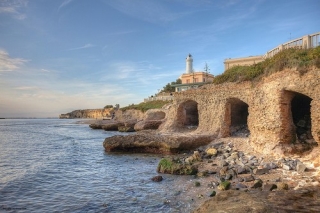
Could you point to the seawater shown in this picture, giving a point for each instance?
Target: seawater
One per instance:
(52, 165)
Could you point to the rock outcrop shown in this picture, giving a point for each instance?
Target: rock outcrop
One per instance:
(152, 142)
(88, 113)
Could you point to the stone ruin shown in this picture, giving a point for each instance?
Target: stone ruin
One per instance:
(280, 114)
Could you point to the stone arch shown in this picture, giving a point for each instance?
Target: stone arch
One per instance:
(188, 114)
(296, 125)
(235, 118)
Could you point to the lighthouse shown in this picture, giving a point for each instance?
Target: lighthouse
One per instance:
(189, 61)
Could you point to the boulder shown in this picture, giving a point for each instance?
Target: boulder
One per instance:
(149, 141)
(157, 178)
(148, 124)
(211, 152)
(175, 167)
(112, 126)
(125, 129)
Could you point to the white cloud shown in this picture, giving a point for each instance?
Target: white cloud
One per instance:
(82, 47)
(15, 8)
(64, 4)
(10, 64)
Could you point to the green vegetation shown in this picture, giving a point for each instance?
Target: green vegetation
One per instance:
(144, 106)
(176, 167)
(302, 59)
(108, 106)
(169, 87)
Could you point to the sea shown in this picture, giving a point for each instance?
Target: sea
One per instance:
(59, 165)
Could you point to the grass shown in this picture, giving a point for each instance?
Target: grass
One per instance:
(302, 59)
(144, 106)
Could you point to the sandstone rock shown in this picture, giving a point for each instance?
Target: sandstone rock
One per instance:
(235, 201)
(248, 178)
(286, 167)
(95, 126)
(211, 152)
(147, 124)
(282, 186)
(300, 167)
(260, 171)
(193, 158)
(125, 129)
(151, 142)
(112, 126)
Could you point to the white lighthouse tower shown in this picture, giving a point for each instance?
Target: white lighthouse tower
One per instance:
(189, 61)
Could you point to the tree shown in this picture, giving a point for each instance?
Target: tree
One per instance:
(169, 87)
(108, 106)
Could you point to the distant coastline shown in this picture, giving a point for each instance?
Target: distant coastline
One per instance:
(2, 118)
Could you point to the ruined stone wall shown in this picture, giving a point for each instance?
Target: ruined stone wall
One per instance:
(270, 119)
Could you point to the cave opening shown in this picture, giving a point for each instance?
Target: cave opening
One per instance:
(301, 117)
(189, 114)
(238, 112)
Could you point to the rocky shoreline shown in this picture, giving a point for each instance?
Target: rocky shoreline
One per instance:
(227, 174)
(231, 179)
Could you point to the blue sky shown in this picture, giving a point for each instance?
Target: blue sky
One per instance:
(60, 55)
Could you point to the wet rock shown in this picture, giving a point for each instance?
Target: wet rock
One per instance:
(170, 166)
(257, 183)
(269, 187)
(212, 194)
(157, 178)
(112, 126)
(95, 126)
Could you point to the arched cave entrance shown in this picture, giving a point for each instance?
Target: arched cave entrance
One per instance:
(296, 120)
(236, 118)
(188, 115)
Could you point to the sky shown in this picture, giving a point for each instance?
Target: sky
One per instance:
(57, 56)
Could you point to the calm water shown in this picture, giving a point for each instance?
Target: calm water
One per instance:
(51, 165)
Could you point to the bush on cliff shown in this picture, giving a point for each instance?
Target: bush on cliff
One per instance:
(144, 106)
(302, 59)
(175, 167)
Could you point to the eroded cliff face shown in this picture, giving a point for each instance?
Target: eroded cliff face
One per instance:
(88, 113)
(281, 113)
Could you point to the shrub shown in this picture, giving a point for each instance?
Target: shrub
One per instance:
(144, 106)
(302, 59)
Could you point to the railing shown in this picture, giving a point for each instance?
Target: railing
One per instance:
(306, 42)
(159, 98)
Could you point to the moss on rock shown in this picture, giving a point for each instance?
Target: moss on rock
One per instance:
(175, 167)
